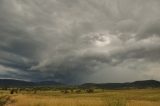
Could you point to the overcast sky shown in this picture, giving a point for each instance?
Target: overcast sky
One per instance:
(77, 41)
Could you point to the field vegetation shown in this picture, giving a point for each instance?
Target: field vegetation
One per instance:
(98, 97)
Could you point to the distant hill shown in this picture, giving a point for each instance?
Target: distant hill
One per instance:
(136, 84)
(48, 83)
(21, 83)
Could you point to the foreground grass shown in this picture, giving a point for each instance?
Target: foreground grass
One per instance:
(148, 97)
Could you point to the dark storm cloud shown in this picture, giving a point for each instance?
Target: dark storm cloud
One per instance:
(77, 41)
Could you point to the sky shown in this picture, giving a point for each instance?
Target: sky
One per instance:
(78, 41)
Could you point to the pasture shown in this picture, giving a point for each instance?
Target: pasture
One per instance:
(136, 97)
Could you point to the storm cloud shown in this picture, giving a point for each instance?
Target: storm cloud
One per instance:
(77, 41)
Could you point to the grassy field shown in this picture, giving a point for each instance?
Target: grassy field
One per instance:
(147, 97)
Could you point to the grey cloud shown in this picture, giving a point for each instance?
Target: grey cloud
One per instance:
(75, 41)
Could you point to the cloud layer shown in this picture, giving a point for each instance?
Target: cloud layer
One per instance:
(76, 41)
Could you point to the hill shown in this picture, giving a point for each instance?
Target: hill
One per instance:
(22, 83)
(136, 84)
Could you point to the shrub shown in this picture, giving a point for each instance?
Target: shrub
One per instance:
(90, 90)
(78, 91)
(12, 91)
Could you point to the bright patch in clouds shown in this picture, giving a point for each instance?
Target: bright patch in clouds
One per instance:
(100, 39)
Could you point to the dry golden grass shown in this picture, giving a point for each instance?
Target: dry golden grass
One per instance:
(23, 100)
(107, 98)
(142, 103)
